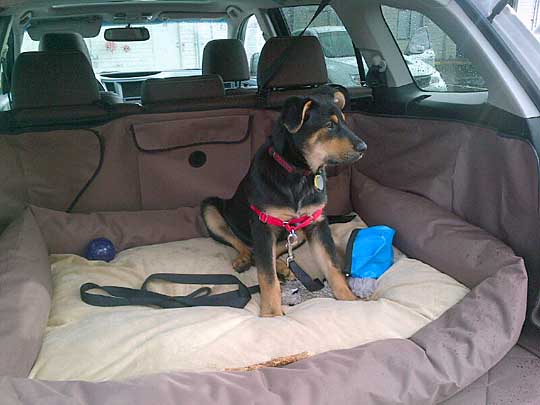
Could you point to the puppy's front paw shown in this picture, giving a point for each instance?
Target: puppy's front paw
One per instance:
(344, 293)
(271, 304)
(271, 312)
(347, 297)
(340, 288)
(242, 263)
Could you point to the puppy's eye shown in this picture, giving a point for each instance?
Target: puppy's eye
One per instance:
(330, 125)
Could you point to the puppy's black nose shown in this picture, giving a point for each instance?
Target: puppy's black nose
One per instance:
(360, 146)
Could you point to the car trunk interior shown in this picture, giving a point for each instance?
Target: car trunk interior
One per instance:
(460, 184)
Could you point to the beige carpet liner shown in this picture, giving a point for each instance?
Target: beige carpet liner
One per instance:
(92, 343)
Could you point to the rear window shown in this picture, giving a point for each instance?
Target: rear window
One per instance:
(435, 61)
(173, 46)
(336, 44)
(335, 41)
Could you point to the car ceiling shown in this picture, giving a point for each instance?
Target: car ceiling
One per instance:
(63, 8)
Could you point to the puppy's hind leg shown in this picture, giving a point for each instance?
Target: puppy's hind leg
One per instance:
(221, 231)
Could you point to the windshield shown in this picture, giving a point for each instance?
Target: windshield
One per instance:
(173, 45)
(336, 44)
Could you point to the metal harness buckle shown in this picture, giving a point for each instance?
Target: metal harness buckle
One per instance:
(292, 239)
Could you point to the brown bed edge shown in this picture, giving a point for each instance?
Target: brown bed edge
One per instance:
(439, 360)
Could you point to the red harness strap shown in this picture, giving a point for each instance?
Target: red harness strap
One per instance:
(292, 224)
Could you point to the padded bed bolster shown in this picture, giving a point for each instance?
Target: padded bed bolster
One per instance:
(395, 371)
(25, 295)
(435, 363)
(70, 233)
(430, 233)
(472, 336)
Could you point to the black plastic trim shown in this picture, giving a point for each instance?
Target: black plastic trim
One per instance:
(278, 22)
(406, 101)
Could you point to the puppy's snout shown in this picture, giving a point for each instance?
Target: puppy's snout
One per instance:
(360, 146)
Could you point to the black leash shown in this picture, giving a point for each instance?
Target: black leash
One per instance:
(304, 278)
(301, 275)
(123, 296)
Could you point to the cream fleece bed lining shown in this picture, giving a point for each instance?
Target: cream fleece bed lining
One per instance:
(83, 342)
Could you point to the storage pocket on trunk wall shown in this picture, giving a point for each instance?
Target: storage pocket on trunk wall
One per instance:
(181, 162)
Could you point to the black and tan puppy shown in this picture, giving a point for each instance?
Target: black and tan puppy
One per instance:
(287, 180)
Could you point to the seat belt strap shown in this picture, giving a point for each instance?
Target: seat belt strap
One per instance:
(360, 63)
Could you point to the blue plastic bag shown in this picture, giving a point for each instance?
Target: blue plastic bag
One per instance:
(369, 255)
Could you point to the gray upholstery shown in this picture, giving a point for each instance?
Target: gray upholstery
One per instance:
(304, 64)
(25, 295)
(53, 79)
(227, 58)
(110, 97)
(72, 41)
(177, 89)
(64, 41)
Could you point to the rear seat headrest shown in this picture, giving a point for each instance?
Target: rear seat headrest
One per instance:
(227, 58)
(53, 79)
(64, 41)
(304, 65)
(181, 88)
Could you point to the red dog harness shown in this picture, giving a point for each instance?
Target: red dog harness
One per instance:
(293, 224)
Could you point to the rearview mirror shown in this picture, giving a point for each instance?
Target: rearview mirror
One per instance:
(127, 34)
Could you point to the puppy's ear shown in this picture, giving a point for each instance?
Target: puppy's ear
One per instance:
(295, 113)
(340, 99)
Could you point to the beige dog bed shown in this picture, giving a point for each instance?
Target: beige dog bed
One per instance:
(93, 343)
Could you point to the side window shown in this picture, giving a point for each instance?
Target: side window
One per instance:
(253, 42)
(435, 61)
(28, 44)
(336, 43)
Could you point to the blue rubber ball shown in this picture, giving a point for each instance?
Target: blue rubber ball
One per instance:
(100, 249)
